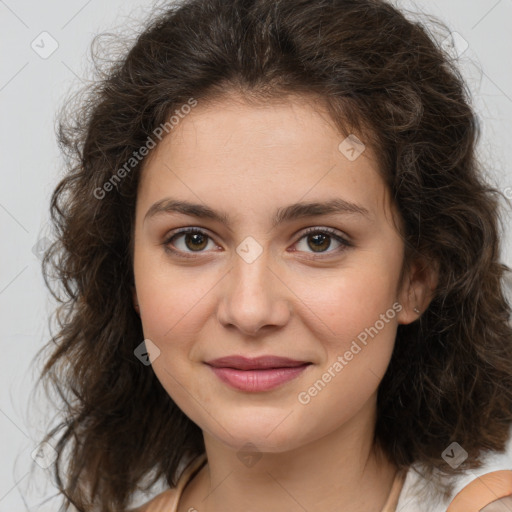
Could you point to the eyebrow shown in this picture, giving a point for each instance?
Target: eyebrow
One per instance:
(285, 214)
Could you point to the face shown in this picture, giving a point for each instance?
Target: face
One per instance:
(256, 276)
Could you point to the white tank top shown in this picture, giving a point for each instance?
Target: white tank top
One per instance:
(416, 495)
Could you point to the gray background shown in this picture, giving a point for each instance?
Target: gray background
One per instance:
(32, 88)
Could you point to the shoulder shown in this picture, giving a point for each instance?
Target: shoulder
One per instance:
(487, 492)
(487, 486)
(500, 505)
(470, 491)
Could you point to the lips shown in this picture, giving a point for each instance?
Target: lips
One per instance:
(257, 374)
(257, 363)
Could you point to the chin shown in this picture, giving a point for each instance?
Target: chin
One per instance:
(259, 443)
(273, 437)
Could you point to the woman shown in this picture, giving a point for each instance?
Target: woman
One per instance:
(281, 270)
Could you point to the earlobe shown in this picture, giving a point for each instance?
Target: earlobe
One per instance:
(411, 305)
(417, 291)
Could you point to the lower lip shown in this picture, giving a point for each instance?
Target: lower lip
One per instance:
(257, 380)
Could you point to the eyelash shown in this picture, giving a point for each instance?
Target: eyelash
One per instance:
(329, 231)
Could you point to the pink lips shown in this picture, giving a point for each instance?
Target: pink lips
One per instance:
(258, 374)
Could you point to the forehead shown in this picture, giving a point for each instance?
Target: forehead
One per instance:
(293, 124)
(289, 149)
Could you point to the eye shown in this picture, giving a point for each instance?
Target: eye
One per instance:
(192, 238)
(320, 239)
(195, 240)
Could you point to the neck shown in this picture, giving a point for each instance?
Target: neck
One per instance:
(340, 471)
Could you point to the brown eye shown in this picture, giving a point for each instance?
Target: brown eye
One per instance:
(320, 240)
(195, 241)
(190, 240)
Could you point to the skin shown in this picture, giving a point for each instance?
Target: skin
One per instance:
(248, 161)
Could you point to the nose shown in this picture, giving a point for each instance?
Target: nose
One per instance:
(254, 297)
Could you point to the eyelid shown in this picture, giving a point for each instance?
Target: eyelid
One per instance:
(331, 231)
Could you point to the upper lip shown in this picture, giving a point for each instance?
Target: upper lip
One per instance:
(256, 363)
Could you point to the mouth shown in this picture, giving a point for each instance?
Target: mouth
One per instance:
(258, 374)
(256, 363)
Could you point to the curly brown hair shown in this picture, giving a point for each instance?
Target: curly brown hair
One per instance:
(383, 76)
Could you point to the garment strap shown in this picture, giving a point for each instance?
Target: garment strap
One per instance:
(394, 494)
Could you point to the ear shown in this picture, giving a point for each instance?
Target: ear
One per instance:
(135, 300)
(417, 290)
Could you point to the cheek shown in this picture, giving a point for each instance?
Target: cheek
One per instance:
(356, 360)
(342, 305)
(172, 316)
(170, 299)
